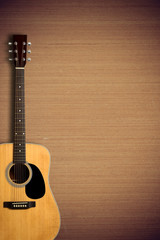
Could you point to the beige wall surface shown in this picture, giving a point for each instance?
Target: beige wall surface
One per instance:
(93, 99)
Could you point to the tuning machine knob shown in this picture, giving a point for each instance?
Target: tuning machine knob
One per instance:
(29, 51)
(10, 43)
(28, 59)
(10, 51)
(10, 59)
(29, 43)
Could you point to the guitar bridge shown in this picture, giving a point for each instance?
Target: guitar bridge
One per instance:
(19, 205)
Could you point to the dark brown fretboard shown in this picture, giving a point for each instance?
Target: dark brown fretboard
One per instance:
(19, 152)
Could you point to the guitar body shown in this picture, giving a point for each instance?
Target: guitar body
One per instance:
(41, 222)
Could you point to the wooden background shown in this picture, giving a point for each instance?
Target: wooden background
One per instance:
(93, 99)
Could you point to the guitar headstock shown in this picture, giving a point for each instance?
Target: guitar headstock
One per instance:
(19, 50)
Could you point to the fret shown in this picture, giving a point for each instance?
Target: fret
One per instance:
(19, 147)
(16, 145)
(19, 161)
(19, 154)
(21, 138)
(18, 141)
(19, 150)
(17, 130)
(19, 90)
(18, 133)
(19, 114)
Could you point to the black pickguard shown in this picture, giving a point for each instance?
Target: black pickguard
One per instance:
(36, 187)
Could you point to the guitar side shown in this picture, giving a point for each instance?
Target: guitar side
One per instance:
(41, 222)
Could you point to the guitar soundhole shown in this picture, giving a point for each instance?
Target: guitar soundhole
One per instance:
(20, 173)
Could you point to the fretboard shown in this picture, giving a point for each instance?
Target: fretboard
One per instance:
(19, 152)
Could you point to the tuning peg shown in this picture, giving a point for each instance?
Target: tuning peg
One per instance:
(29, 51)
(29, 59)
(10, 59)
(10, 43)
(10, 51)
(29, 43)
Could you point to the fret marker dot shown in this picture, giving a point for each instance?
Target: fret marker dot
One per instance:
(19, 99)
(19, 150)
(19, 110)
(20, 120)
(20, 144)
(23, 133)
(16, 133)
(19, 86)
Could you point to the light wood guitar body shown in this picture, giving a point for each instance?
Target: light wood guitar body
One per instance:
(39, 223)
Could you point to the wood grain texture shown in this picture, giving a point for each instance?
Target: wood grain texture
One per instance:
(96, 108)
(33, 223)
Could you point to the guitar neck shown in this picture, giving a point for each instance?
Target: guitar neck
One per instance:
(19, 117)
(19, 52)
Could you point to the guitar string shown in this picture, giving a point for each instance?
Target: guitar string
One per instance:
(21, 95)
(19, 137)
(24, 115)
(22, 121)
(19, 129)
(17, 96)
(14, 173)
(15, 143)
(16, 169)
(16, 129)
(22, 80)
(23, 87)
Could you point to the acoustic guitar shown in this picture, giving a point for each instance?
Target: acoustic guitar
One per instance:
(28, 210)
